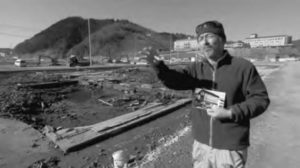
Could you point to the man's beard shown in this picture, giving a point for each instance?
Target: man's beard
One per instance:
(208, 52)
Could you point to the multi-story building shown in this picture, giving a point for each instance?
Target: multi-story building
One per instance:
(253, 41)
(185, 44)
(268, 41)
(191, 44)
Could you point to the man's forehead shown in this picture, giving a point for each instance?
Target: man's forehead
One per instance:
(207, 33)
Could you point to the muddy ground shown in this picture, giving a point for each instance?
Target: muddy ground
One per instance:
(80, 106)
(38, 100)
(65, 100)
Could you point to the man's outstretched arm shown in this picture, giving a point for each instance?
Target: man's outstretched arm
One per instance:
(178, 79)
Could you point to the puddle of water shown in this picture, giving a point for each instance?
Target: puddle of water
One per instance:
(83, 108)
(80, 95)
(84, 94)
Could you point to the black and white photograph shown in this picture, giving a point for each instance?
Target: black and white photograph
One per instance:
(149, 84)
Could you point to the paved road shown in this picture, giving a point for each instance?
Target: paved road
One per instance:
(11, 69)
(20, 144)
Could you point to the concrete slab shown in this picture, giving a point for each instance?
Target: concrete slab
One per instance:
(276, 134)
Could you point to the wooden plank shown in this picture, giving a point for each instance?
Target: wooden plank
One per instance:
(79, 137)
(42, 85)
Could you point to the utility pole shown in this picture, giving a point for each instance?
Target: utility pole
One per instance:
(134, 45)
(90, 47)
(170, 47)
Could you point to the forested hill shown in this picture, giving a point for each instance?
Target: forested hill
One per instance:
(109, 37)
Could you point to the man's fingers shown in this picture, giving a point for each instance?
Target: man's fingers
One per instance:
(144, 52)
(157, 58)
(210, 112)
(214, 107)
(146, 48)
(151, 53)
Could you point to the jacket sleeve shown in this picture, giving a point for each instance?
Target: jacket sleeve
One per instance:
(177, 79)
(256, 97)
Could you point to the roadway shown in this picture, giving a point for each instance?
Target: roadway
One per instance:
(11, 68)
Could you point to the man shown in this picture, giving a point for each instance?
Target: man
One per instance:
(234, 94)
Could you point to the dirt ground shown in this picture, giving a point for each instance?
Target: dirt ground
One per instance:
(98, 96)
(143, 143)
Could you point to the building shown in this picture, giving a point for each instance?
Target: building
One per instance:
(191, 44)
(185, 44)
(268, 41)
(5, 52)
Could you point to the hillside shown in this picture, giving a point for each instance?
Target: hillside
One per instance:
(109, 37)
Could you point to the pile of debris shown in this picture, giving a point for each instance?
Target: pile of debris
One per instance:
(26, 96)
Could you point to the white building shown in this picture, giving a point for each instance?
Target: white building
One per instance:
(185, 44)
(191, 44)
(5, 52)
(268, 41)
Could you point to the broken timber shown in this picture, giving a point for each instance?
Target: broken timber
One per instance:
(71, 139)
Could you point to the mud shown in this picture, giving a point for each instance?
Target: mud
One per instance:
(98, 96)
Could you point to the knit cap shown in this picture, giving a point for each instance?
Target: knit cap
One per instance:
(214, 27)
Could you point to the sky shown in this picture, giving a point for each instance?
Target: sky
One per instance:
(22, 19)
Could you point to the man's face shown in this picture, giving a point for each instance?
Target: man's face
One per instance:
(211, 45)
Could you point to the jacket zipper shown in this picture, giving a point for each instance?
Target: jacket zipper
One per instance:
(211, 119)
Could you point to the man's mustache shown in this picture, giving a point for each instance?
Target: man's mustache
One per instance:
(207, 48)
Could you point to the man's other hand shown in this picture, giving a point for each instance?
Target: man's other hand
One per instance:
(219, 113)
